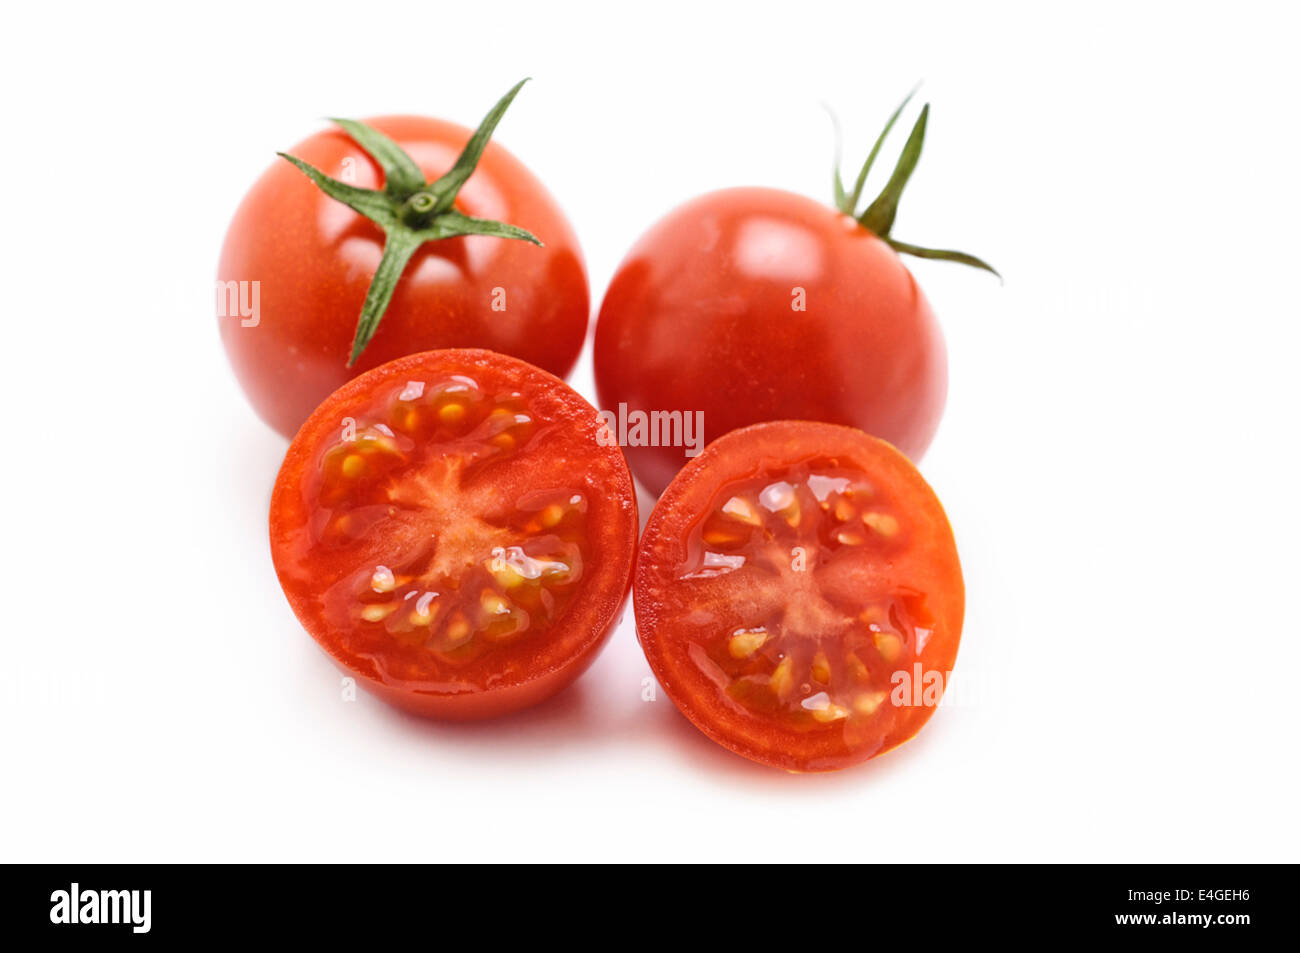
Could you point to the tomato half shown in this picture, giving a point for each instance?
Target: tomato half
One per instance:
(756, 304)
(313, 259)
(454, 532)
(798, 595)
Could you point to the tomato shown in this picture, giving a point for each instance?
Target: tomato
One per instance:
(454, 532)
(313, 260)
(798, 595)
(755, 304)
(703, 315)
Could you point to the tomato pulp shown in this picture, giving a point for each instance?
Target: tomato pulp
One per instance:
(756, 304)
(454, 533)
(798, 595)
(306, 261)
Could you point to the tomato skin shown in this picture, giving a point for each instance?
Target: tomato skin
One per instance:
(314, 257)
(479, 706)
(494, 686)
(699, 316)
(928, 565)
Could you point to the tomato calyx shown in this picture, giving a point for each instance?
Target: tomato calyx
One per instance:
(410, 210)
(878, 217)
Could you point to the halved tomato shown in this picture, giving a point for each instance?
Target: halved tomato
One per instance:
(798, 595)
(454, 531)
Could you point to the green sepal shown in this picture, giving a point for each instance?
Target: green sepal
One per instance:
(398, 249)
(373, 205)
(402, 177)
(941, 254)
(454, 223)
(875, 151)
(880, 214)
(837, 183)
(446, 187)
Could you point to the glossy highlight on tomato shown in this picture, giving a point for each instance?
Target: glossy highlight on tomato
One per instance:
(454, 533)
(756, 304)
(785, 579)
(312, 261)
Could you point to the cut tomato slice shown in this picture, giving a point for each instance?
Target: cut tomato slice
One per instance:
(454, 532)
(798, 595)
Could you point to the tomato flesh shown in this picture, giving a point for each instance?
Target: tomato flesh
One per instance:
(785, 579)
(451, 530)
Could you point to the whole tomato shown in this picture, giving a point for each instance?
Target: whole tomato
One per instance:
(298, 263)
(748, 305)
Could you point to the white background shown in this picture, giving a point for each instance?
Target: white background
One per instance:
(1118, 455)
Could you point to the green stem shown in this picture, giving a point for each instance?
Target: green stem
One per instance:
(419, 210)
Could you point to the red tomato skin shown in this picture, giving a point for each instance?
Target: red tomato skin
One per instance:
(700, 316)
(932, 565)
(479, 706)
(616, 541)
(314, 257)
